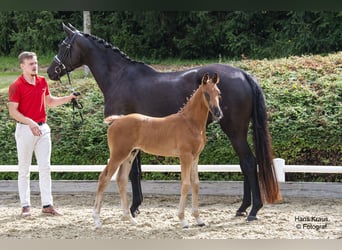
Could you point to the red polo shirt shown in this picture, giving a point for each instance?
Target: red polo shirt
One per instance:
(31, 98)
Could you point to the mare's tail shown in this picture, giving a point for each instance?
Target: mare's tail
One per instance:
(269, 186)
(110, 119)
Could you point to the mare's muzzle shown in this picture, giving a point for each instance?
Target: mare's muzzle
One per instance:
(60, 66)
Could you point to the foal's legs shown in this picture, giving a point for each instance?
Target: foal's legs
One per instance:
(122, 180)
(104, 180)
(195, 189)
(186, 162)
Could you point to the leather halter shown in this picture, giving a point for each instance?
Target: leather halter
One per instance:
(61, 66)
(61, 62)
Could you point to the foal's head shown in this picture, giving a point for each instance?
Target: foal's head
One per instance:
(212, 95)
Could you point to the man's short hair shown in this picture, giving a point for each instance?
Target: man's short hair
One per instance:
(26, 55)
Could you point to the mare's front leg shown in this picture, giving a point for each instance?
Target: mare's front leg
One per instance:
(104, 180)
(195, 191)
(186, 165)
(135, 177)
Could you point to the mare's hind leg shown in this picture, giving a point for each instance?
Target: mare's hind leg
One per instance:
(195, 190)
(122, 180)
(104, 180)
(250, 172)
(135, 177)
(251, 183)
(251, 190)
(186, 165)
(247, 198)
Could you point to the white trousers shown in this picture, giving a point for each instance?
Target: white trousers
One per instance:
(27, 143)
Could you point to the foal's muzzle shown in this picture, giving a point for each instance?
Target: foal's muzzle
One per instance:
(216, 113)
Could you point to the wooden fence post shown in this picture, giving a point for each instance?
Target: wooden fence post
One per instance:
(279, 165)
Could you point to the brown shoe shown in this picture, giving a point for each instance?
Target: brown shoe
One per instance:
(50, 210)
(25, 211)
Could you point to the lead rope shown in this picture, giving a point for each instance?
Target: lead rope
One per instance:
(76, 105)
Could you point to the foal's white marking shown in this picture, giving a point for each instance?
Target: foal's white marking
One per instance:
(184, 223)
(96, 218)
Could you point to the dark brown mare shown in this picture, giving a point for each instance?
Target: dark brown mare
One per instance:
(180, 135)
(134, 87)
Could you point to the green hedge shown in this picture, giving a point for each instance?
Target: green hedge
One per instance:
(304, 100)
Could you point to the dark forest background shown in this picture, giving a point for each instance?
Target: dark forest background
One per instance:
(158, 35)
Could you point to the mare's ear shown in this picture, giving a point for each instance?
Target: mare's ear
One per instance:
(67, 30)
(205, 78)
(216, 78)
(72, 28)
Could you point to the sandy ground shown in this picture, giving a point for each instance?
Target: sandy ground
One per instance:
(293, 218)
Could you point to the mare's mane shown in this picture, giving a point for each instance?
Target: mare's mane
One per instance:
(108, 45)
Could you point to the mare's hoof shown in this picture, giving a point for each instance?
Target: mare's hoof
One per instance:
(243, 213)
(251, 218)
(135, 213)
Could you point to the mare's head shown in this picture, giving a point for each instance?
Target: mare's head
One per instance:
(68, 57)
(212, 95)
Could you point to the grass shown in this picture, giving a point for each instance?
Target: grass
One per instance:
(10, 63)
(6, 78)
(10, 70)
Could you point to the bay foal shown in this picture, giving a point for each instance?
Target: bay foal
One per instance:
(180, 135)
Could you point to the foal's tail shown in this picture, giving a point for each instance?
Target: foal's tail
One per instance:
(110, 119)
(263, 146)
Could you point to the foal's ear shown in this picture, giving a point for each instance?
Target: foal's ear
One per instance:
(67, 30)
(216, 78)
(205, 78)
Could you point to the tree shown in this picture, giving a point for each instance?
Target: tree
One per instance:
(86, 29)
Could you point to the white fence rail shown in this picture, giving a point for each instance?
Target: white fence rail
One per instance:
(280, 166)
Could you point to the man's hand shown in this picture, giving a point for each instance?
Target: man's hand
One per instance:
(35, 129)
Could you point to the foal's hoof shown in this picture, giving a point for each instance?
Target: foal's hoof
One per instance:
(98, 225)
(200, 222)
(128, 217)
(184, 224)
(133, 221)
(251, 218)
(242, 214)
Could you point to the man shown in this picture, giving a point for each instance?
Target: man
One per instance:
(28, 97)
